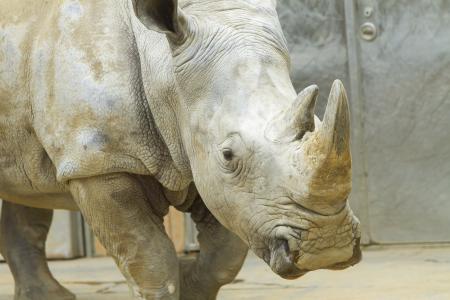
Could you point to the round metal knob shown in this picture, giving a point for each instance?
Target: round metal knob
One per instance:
(368, 31)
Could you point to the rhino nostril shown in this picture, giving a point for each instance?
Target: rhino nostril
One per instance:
(282, 260)
(290, 239)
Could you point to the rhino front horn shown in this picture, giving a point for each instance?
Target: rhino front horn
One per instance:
(335, 129)
(330, 145)
(293, 123)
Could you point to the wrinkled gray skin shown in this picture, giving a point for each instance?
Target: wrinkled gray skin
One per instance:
(117, 107)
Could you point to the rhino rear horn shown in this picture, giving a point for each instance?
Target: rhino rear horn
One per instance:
(292, 124)
(302, 118)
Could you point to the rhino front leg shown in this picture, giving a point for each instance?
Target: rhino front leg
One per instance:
(117, 208)
(22, 240)
(221, 257)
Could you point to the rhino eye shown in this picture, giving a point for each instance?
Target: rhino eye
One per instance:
(228, 154)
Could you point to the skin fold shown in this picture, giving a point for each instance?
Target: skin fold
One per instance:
(122, 108)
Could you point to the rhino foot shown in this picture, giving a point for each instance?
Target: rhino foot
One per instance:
(42, 293)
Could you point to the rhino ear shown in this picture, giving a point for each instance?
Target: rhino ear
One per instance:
(161, 15)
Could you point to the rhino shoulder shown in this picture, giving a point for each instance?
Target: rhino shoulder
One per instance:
(89, 106)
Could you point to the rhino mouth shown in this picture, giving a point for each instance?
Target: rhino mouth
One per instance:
(293, 252)
(284, 261)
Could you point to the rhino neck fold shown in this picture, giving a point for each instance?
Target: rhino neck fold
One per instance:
(161, 98)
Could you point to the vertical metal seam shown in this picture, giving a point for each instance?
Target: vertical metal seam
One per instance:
(89, 240)
(77, 231)
(357, 106)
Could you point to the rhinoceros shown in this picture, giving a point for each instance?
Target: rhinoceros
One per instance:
(122, 108)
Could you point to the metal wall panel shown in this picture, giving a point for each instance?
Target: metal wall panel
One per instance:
(398, 77)
(405, 84)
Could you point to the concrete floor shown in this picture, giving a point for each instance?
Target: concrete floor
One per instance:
(407, 272)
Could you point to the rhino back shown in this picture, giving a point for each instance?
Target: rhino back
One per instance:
(74, 86)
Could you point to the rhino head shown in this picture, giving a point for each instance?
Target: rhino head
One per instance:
(266, 167)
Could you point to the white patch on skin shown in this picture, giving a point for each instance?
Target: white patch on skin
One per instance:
(11, 54)
(96, 92)
(71, 12)
(171, 288)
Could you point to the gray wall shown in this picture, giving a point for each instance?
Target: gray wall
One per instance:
(399, 88)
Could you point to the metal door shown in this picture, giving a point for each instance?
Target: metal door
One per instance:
(394, 56)
(405, 89)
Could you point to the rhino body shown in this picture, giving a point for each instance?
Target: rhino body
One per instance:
(123, 108)
(73, 100)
